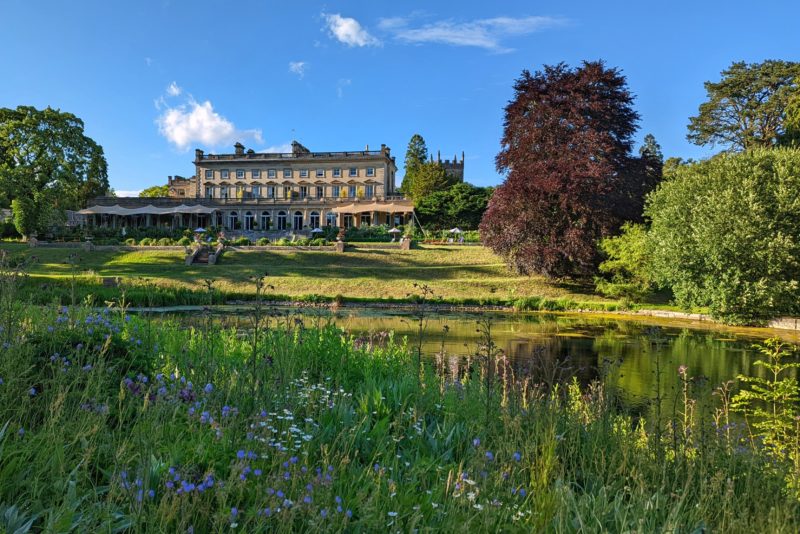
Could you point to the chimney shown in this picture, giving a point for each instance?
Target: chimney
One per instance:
(366, 148)
(239, 148)
(169, 180)
(198, 154)
(462, 157)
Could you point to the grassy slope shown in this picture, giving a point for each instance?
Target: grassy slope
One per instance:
(454, 273)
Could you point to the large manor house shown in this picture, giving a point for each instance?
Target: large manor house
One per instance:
(253, 191)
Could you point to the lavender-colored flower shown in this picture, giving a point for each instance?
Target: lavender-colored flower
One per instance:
(517, 456)
(32, 392)
(257, 472)
(476, 442)
(489, 456)
(240, 454)
(209, 388)
(323, 513)
(349, 514)
(234, 511)
(307, 499)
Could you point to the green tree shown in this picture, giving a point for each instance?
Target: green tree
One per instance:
(48, 163)
(651, 150)
(725, 233)
(791, 135)
(460, 205)
(428, 177)
(626, 269)
(747, 107)
(416, 157)
(155, 191)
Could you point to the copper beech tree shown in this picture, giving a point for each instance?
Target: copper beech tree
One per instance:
(570, 176)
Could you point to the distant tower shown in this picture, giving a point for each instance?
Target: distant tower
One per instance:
(453, 168)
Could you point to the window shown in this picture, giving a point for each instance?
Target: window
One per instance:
(271, 191)
(256, 191)
(209, 191)
(223, 174)
(248, 220)
(287, 173)
(297, 223)
(335, 191)
(240, 173)
(369, 191)
(365, 219)
(287, 192)
(223, 192)
(337, 173)
(313, 219)
(347, 221)
(330, 219)
(320, 173)
(303, 173)
(233, 220)
(265, 220)
(271, 173)
(320, 191)
(353, 171)
(209, 174)
(255, 173)
(370, 171)
(303, 191)
(351, 191)
(281, 220)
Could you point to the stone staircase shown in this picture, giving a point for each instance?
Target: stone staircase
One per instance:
(202, 256)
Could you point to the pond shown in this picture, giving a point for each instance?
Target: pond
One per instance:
(628, 351)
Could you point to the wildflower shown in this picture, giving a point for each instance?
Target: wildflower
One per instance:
(151, 493)
(349, 513)
(32, 392)
(337, 499)
(323, 513)
(1, 381)
(234, 511)
(257, 472)
(87, 367)
(240, 454)
(489, 456)
(517, 456)
(21, 432)
(307, 499)
(392, 514)
(209, 388)
(476, 442)
(682, 370)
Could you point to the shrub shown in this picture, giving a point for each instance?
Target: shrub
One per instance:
(724, 234)
(241, 242)
(146, 242)
(262, 241)
(131, 242)
(626, 268)
(185, 241)
(165, 242)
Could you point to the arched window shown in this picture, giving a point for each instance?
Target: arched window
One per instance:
(366, 219)
(347, 221)
(265, 220)
(233, 220)
(330, 219)
(281, 220)
(248, 220)
(313, 219)
(297, 223)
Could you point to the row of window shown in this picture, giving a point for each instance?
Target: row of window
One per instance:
(302, 191)
(251, 221)
(287, 173)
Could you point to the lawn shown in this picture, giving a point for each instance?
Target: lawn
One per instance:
(456, 274)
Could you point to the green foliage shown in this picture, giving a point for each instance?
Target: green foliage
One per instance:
(376, 234)
(651, 150)
(46, 158)
(8, 229)
(26, 216)
(428, 178)
(626, 267)
(460, 205)
(241, 242)
(185, 241)
(724, 234)
(416, 156)
(262, 241)
(772, 405)
(746, 108)
(791, 136)
(155, 191)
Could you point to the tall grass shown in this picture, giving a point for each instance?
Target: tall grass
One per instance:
(116, 423)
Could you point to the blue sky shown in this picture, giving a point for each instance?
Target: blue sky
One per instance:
(154, 80)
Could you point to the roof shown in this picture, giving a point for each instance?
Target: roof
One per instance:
(116, 209)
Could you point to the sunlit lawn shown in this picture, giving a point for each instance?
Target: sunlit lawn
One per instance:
(452, 272)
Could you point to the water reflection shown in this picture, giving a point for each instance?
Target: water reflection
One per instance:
(541, 346)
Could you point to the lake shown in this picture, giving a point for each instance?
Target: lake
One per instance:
(628, 350)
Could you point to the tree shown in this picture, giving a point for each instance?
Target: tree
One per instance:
(791, 135)
(747, 107)
(626, 269)
(428, 177)
(416, 157)
(651, 150)
(571, 179)
(47, 162)
(725, 233)
(460, 205)
(155, 191)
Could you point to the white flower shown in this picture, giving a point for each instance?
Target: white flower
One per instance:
(392, 514)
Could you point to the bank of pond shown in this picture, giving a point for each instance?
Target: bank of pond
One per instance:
(298, 419)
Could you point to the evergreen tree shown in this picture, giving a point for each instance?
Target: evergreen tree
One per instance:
(416, 158)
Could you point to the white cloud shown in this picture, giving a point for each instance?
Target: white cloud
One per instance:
(174, 90)
(284, 148)
(348, 31)
(340, 85)
(298, 67)
(123, 193)
(197, 123)
(481, 33)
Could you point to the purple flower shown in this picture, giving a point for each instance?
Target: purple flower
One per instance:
(517, 456)
(307, 499)
(209, 388)
(32, 392)
(323, 513)
(240, 454)
(476, 442)
(489, 456)
(257, 472)
(349, 514)
(234, 511)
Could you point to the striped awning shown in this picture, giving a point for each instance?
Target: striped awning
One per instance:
(116, 209)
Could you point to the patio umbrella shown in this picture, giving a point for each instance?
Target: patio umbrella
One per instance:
(317, 231)
(199, 230)
(394, 231)
(455, 230)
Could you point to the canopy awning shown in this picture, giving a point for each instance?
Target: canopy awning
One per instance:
(116, 209)
(383, 207)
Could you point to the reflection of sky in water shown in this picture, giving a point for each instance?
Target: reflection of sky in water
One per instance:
(585, 345)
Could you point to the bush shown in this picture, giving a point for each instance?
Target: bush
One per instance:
(8, 230)
(368, 234)
(146, 242)
(626, 269)
(724, 234)
(283, 242)
(165, 242)
(262, 242)
(185, 241)
(131, 242)
(241, 242)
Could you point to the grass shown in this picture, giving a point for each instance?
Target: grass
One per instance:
(111, 423)
(458, 275)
